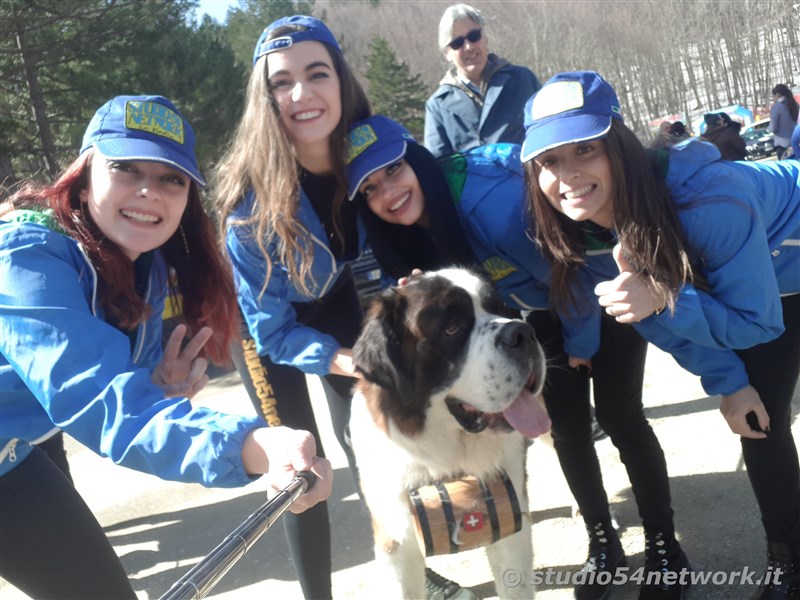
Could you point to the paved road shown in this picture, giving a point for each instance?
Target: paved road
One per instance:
(160, 529)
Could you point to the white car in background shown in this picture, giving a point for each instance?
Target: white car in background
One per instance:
(758, 140)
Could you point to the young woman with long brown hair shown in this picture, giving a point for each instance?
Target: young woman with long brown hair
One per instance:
(281, 193)
(707, 268)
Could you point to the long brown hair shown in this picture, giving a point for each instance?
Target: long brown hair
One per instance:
(645, 220)
(260, 158)
(202, 275)
(783, 90)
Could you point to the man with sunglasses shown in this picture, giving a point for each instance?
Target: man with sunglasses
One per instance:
(481, 98)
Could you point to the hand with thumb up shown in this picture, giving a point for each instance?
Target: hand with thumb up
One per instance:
(629, 297)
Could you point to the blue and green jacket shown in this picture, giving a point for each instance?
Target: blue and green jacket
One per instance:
(488, 188)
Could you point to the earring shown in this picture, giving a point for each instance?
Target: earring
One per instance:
(185, 241)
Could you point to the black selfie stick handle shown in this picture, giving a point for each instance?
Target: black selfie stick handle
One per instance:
(201, 578)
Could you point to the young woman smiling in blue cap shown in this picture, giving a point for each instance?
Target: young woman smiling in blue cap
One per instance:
(707, 268)
(406, 200)
(83, 280)
(290, 235)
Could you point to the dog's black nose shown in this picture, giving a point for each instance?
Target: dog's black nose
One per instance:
(516, 334)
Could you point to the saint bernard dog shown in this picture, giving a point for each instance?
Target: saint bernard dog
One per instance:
(449, 388)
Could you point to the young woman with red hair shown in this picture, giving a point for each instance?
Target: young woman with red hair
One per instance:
(84, 269)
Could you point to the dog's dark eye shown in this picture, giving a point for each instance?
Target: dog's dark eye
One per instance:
(452, 328)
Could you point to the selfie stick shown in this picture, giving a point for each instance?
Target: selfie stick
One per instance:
(201, 578)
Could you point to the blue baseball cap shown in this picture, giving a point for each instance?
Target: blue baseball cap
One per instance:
(314, 31)
(373, 144)
(571, 107)
(148, 128)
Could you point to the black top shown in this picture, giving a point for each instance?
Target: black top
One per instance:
(321, 190)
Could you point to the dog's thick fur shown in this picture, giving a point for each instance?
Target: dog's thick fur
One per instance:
(442, 367)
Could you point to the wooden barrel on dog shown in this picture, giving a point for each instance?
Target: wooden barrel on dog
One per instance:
(463, 514)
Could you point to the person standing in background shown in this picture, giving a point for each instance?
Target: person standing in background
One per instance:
(669, 135)
(783, 116)
(481, 97)
(723, 132)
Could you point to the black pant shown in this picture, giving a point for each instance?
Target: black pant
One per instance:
(772, 463)
(279, 393)
(617, 376)
(53, 447)
(51, 545)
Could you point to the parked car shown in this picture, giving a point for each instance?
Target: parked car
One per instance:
(758, 140)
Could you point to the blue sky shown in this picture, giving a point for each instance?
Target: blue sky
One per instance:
(216, 9)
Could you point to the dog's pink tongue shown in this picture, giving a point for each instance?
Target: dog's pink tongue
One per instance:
(527, 415)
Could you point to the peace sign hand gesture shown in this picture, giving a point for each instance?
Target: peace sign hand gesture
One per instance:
(182, 372)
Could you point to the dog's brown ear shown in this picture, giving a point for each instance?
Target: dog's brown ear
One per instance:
(376, 353)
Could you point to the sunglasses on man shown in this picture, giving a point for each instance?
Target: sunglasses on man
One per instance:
(473, 36)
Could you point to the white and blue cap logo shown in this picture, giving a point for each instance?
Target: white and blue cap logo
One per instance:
(147, 128)
(373, 144)
(571, 107)
(309, 30)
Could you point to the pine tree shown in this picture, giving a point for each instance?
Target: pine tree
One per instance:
(393, 91)
(60, 61)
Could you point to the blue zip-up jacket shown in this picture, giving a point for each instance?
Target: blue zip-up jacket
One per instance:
(270, 317)
(742, 220)
(488, 186)
(63, 366)
(489, 190)
(454, 122)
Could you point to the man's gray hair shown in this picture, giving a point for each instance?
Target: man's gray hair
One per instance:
(452, 14)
